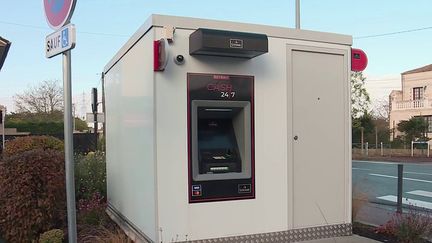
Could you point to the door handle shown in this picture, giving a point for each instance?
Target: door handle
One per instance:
(296, 137)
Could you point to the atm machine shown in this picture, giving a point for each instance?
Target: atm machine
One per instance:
(221, 160)
(212, 131)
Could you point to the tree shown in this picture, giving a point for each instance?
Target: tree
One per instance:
(381, 109)
(40, 110)
(46, 97)
(413, 129)
(365, 121)
(360, 99)
(382, 129)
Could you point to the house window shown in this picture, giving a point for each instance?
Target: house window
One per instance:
(428, 119)
(418, 93)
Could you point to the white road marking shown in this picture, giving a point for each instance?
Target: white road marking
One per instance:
(405, 178)
(374, 162)
(421, 193)
(417, 173)
(360, 169)
(407, 201)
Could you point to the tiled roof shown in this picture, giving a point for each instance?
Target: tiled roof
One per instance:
(426, 68)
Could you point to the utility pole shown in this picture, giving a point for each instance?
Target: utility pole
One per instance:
(297, 14)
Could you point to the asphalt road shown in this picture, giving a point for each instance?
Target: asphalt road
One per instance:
(378, 182)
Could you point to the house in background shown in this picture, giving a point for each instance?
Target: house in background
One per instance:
(4, 48)
(415, 99)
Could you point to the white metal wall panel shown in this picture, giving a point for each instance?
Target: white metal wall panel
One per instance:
(268, 212)
(319, 102)
(130, 137)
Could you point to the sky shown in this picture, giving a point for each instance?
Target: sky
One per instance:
(103, 26)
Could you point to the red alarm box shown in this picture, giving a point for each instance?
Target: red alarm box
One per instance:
(359, 60)
(160, 54)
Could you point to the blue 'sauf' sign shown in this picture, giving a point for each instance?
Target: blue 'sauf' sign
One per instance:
(60, 41)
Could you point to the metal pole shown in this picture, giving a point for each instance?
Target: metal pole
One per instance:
(382, 151)
(95, 111)
(376, 138)
(73, 117)
(68, 140)
(367, 148)
(297, 14)
(428, 148)
(95, 125)
(399, 188)
(3, 125)
(412, 148)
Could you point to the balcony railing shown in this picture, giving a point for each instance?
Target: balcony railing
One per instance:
(411, 104)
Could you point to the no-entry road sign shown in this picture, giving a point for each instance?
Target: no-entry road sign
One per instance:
(58, 12)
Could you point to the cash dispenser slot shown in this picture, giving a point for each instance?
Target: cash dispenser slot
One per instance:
(217, 146)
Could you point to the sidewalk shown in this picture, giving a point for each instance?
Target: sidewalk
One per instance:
(346, 239)
(375, 214)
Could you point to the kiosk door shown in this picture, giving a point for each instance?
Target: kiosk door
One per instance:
(320, 132)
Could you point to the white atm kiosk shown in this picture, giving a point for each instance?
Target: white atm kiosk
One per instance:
(229, 132)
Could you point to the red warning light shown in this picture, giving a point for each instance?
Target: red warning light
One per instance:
(160, 55)
(359, 60)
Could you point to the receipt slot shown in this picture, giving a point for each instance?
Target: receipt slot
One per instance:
(221, 161)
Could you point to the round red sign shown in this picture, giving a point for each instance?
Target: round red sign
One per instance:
(58, 12)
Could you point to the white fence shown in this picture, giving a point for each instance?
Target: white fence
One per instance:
(416, 149)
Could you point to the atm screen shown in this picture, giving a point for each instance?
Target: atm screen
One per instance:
(217, 146)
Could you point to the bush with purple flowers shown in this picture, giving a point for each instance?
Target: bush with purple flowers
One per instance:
(90, 180)
(410, 227)
(90, 175)
(92, 211)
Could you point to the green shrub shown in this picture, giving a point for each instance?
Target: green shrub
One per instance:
(101, 145)
(22, 144)
(52, 236)
(32, 194)
(90, 175)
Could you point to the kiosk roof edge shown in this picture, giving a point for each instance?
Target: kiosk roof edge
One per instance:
(156, 20)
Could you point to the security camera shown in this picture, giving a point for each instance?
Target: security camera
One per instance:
(179, 59)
